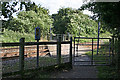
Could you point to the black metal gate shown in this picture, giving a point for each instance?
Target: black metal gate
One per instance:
(91, 51)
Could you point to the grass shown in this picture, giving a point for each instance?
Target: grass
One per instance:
(42, 73)
(12, 36)
(31, 63)
(104, 72)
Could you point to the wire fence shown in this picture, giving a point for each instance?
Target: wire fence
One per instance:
(24, 55)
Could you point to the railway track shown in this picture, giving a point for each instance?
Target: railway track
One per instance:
(30, 51)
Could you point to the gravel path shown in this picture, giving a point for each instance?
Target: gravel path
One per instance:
(79, 71)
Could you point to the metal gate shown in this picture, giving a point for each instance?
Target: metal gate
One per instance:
(92, 51)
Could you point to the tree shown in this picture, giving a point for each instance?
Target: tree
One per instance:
(8, 9)
(28, 20)
(74, 22)
(33, 16)
(108, 13)
(32, 6)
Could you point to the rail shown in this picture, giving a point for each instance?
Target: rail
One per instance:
(22, 43)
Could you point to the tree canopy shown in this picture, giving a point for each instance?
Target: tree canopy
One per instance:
(73, 21)
(108, 13)
(27, 20)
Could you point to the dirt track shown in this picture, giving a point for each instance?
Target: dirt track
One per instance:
(79, 71)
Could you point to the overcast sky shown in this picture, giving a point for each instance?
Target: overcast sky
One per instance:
(54, 5)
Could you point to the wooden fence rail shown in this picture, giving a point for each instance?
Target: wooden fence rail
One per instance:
(32, 43)
(22, 43)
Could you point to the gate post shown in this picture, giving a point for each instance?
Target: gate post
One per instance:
(109, 51)
(112, 46)
(21, 57)
(59, 50)
(71, 52)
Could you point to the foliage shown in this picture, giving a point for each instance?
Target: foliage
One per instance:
(28, 20)
(108, 13)
(32, 6)
(74, 22)
(14, 36)
(8, 9)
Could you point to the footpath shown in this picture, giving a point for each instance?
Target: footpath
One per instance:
(79, 70)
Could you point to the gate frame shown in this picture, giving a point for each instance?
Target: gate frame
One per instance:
(110, 40)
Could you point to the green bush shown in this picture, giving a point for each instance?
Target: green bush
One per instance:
(14, 36)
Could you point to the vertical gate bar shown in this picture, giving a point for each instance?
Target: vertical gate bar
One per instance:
(112, 48)
(77, 47)
(71, 52)
(78, 44)
(74, 49)
(98, 37)
(109, 46)
(109, 51)
(92, 52)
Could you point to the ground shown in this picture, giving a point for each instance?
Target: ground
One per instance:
(78, 71)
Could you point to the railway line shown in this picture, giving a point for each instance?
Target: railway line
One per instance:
(31, 51)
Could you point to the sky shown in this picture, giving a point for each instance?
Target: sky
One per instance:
(54, 5)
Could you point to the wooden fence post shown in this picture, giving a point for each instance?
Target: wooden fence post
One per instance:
(71, 52)
(21, 56)
(59, 50)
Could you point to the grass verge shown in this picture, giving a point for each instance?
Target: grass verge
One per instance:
(104, 72)
(42, 73)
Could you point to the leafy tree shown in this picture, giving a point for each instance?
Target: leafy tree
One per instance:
(108, 13)
(28, 20)
(74, 22)
(8, 9)
(32, 6)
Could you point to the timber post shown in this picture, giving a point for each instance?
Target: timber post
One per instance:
(21, 57)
